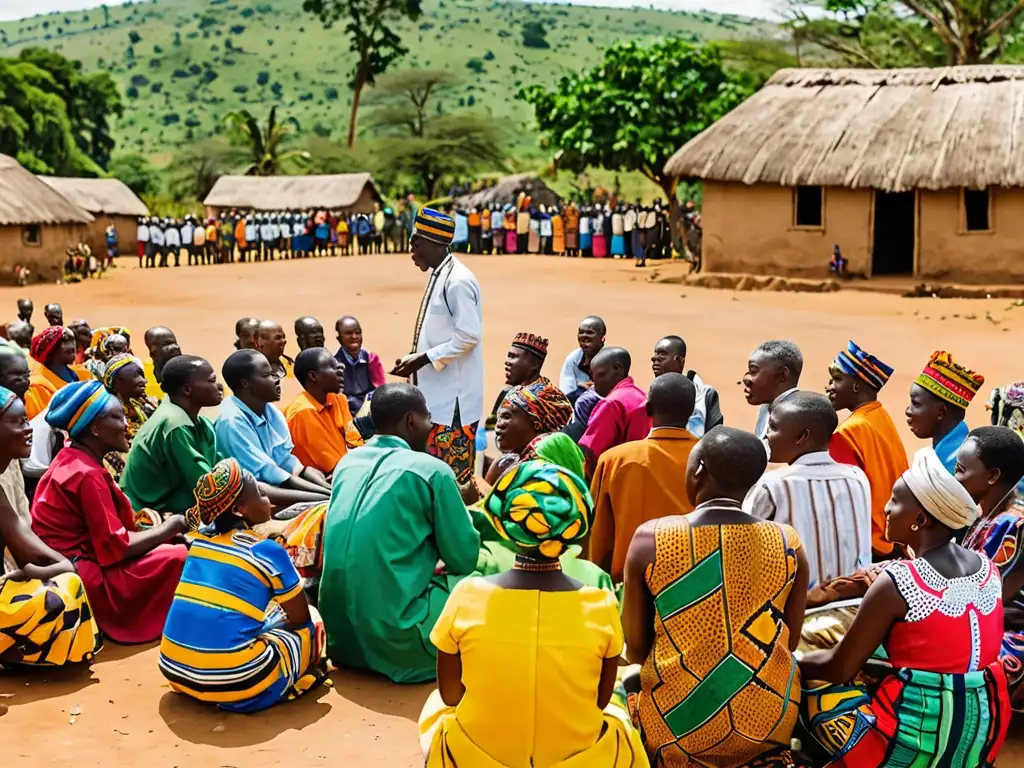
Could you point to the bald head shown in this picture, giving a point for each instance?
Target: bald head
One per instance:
(798, 424)
(724, 464)
(608, 368)
(670, 400)
(309, 333)
(271, 341)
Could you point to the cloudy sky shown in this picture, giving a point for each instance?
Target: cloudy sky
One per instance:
(15, 9)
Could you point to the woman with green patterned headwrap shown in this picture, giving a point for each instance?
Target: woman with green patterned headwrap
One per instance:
(533, 638)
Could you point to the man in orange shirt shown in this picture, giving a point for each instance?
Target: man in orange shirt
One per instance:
(645, 479)
(319, 419)
(868, 438)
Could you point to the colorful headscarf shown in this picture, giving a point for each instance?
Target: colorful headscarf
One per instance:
(854, 361)
(100, 335)
(559, 449)
(114, 365)
(532, 343)
(1007, 406)
(217, 492)
(44, 342)
(435, 226)
(6, 398)
(948, 380)
(546, 405)
(539, 509)
(77, 405)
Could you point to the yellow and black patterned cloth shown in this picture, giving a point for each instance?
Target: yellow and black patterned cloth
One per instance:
(539, 509)
(47, 622)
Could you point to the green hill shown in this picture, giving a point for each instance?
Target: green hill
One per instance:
(184, 64)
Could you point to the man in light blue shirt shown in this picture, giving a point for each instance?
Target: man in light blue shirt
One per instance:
(252, 430)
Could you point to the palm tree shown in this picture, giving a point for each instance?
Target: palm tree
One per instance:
(266, 144)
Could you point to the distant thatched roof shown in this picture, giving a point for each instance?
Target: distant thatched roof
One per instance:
(109, 196)
(284, 193)
(892, 130)
(24, 199)
(506, 189)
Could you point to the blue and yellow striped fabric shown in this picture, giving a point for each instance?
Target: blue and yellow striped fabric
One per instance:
(435, 226)
(225, 639)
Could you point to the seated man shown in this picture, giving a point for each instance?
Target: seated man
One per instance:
(575, 378)
(938, 405)
(252, 430)
(271, 341)
(364, 371)
(162, 345)
(397, 539)
(176, 446)
(621, 416)
(245, 332)
(318, 419)
(670, 357)
(828, 503)
(309, 332)
(643, 479)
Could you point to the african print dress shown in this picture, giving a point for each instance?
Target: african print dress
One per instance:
(1001, 538)
(226, 639)
(946, 703)
(47, 622)
(136, 413)
(720, 686)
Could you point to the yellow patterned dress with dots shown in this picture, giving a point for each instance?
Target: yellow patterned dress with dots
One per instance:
(720, 687)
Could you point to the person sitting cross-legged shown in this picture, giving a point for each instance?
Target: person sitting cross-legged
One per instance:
(240, 633)
(250, 428)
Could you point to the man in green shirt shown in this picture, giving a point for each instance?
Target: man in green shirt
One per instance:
(176, 446)
(395, 515)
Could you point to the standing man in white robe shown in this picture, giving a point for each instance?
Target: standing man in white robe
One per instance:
(447, 361)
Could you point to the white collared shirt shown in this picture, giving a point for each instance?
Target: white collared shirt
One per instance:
(829, 505)
(451, 336)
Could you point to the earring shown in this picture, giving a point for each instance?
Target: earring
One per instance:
(915, 527)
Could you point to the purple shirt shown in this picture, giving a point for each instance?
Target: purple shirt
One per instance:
(620, 418)
(363, 374)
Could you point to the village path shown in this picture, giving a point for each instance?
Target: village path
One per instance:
(121, 712)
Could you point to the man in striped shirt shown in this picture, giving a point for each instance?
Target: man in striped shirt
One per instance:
(828, 503)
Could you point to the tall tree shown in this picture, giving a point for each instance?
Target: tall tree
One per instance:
(370, 26)
(636, 108)
(416, 138)
(267, 144)
(892, 33)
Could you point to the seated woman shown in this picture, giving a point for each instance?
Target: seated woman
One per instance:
(713, 605)
(105, 344)
(527, 416)
(124, 376)
(539, 642)
(44, 614)
(79, 511)
(214, 647)
(989, 465)
(946, 702)
(55, 350)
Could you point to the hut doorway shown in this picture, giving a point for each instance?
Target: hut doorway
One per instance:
(895, 233)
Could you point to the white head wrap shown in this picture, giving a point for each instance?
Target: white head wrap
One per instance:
(939, 492)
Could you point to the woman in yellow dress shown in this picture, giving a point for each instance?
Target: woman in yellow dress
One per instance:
(527, 659)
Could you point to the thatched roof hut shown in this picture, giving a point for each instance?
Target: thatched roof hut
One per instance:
(24, 199)
(910, 172)
(104, 196)
(343, 191)
(506, 189)
(893, 130)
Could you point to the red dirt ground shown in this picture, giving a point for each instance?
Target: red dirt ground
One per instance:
(120, 711)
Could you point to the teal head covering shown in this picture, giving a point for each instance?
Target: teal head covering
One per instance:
(77, 405)
(6, 398)
(539, 509)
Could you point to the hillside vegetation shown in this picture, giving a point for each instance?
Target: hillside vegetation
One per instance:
(183, 65)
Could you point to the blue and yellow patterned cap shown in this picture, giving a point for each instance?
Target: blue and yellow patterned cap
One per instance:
(435, 226)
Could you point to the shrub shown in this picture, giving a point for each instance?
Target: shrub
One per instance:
(156, 87)
(240, 88)
(131, 92)
(238, 29)
(139, 81)
(489, 56)
(535, 35)
(171, 118)
(178, 74)
(475, 65)
(134, 37)
(195, 69)
(247, 13)
(277, 89)
(331, 93)
(262, 78)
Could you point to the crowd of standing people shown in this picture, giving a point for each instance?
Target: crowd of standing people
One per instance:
(625, 580)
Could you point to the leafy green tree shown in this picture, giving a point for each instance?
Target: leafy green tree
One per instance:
(197, 168)
(371, 26)
(894, 33)
(636, 108)
(136, 172)
(418, 140)
(266, 144)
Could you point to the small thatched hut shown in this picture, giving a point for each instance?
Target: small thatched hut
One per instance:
(339, 192)
(910, 171)
(506, 190)
(37, 225)
(110, 201)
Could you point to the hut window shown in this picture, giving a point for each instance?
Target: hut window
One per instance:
(810, 207)
(32, 235)
(976, 210)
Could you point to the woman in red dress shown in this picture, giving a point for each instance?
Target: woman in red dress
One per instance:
(129, 575)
